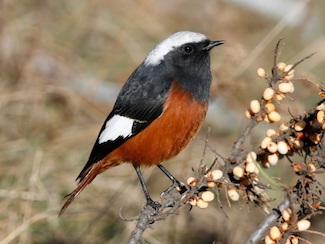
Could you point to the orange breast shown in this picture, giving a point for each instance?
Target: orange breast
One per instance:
(166, 136)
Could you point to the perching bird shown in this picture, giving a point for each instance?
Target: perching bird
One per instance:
(157, 112)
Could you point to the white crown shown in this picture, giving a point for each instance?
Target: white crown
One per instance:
(170, 43)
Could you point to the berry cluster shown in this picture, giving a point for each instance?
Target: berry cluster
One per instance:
(277, 91)
(240, 173)
(301, 135)
(204, 196)
(286, 224)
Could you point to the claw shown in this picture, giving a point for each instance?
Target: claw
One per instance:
(182, 188)
(155, 205)
(179, 186)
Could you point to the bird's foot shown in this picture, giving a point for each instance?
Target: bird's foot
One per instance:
(179, 186)
(155, 205)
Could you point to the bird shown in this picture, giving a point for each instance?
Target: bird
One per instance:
(158, 111)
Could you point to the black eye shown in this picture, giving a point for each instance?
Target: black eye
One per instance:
(188, 48)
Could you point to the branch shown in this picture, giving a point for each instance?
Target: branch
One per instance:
(143, 223)
(269, 221)
(170, 203)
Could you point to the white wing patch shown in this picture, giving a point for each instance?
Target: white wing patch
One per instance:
(176, 40)
(115, 127)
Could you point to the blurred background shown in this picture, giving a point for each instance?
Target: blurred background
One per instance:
(62, 64)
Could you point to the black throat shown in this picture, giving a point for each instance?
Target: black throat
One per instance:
(196, 78)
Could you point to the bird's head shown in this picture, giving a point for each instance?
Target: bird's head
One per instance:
(182, 49)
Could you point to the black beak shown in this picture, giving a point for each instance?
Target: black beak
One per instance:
(213, 44)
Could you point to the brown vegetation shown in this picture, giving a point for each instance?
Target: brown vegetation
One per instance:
(58, 61)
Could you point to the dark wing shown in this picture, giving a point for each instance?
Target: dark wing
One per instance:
(140, 101)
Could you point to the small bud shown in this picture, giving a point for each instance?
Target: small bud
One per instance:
(312, 167)
(266, 119)
(255, 106)
(298, 168)
(258, 190)
(256, 171)
(303, 224)
(251, 157)
(275, 233)
(269, 107)
(284, 226)
(248, 114)
(292, 240)
(300, 125)
(268, 240)
(250, 167)
(233, 194)
(192, 201)
(286, 214)
(238, 172)
(281, 66)
(298, 144)
(300, 135)
(215, 174)
(292, 87)
(289, 77)
(272, 147)
(268, 93)
(211, 184)
(321, 117)
(282, 147)
(286, 87)
(191, 181)
(289, 69)
(207, 196)
(279, 97)
(283, 127)
(265, 142)
(177, 188)
(260, 118)
(261, 72)
(321, 107)
(201, 204)
(315, 138)
(274, 116)
(316, 205)
(272, 159)
(270, 133)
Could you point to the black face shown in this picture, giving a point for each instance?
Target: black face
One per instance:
(189, 55)
(189, 64)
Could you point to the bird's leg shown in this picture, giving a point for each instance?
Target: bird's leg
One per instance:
(150, 202)
(176, 183)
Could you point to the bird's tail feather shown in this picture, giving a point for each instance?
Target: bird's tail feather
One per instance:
(91, 174)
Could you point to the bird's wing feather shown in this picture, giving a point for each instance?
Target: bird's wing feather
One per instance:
(139, 103)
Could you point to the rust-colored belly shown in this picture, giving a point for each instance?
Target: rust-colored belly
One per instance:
(167, 135)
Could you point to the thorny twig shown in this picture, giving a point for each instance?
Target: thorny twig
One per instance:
(270, 220)
(238, 145)
(170, 203)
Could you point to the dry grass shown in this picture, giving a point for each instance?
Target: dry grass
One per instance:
(54, 58)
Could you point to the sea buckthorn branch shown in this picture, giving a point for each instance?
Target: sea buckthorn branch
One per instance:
(302, 135)
(171, 202)
(269, 221)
